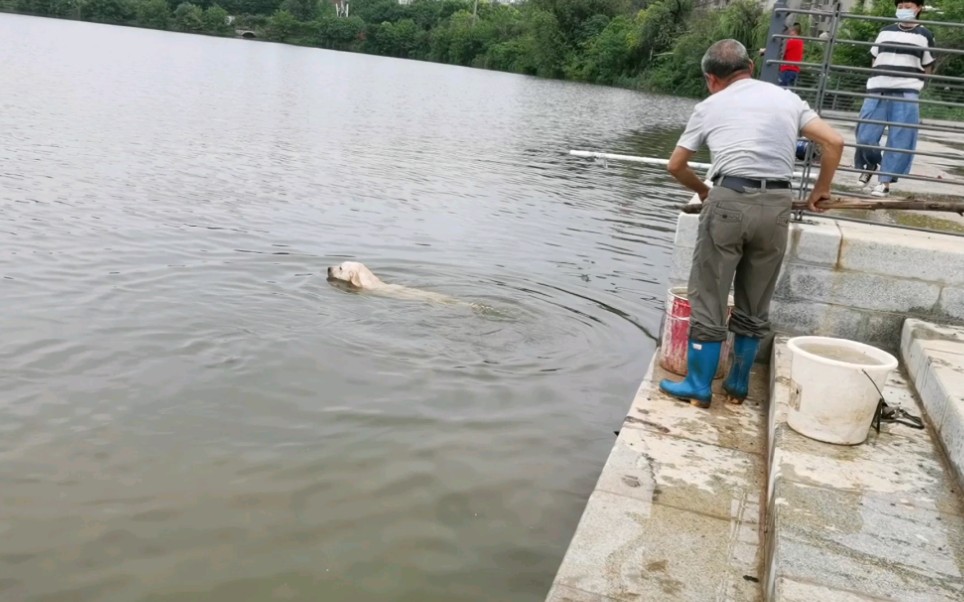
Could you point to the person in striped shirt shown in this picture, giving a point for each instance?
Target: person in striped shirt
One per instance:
(901, 52)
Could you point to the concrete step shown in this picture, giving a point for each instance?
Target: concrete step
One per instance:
(934, 356)
(878, 521)
(675, 514)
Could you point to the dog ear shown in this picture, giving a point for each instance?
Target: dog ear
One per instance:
(355, 279)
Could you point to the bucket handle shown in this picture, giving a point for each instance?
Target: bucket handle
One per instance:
(887, 413)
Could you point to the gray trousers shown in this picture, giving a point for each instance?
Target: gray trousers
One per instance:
(740, 241)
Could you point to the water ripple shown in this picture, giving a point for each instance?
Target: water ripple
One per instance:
(190, 410)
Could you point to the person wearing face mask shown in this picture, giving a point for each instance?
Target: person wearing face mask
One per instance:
(902, 47)
(751, 128)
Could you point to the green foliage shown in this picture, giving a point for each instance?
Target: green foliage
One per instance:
(189, 18)
(400, 39)
(302, 10)
(216, 20)
(543, 45)
(107, 11)
(340, 34)
(607, 56)
(282, 26)
(154, 13)
(949, 37)
(48, 8)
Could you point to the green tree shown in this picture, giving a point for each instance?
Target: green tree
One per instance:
(572, 14)
(216, 20)
(659, 27)
(48, 8)
(543, 45)
(189, 18)
(107, 11)
(401, 39)
(303, 10)
(250, 7)
(607, 55)
(154, 13)
(458, 41)
(338, 33)
(949, 37)
(281, 26)
(379, 11)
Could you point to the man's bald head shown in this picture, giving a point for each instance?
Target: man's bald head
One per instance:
(725, 58)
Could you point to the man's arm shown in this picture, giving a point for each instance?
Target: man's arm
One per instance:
(680, 169)
(831, 150)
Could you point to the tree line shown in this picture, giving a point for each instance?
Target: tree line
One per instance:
(654, 45)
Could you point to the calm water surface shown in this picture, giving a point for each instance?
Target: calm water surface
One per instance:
(190, 412)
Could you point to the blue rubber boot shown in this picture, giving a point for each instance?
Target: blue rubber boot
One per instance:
(702, 358)
(737, 382)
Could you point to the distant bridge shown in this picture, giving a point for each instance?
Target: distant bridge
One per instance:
(246, 33)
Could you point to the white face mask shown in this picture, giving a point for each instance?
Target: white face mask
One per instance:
(906, 14)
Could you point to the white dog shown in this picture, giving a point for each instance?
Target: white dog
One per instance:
(357, 276)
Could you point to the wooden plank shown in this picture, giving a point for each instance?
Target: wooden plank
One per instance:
(842, 202)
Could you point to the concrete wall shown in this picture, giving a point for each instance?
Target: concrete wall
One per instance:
(855, 281)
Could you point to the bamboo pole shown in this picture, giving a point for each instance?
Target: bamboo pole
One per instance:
(842, 202)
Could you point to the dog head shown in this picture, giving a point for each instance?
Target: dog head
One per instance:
(354, 274)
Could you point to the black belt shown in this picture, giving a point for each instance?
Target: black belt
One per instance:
(738, 184)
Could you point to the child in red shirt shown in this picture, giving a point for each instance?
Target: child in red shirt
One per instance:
(793, 52)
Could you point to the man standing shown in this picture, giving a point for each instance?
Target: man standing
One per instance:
(901, 52)
(751, 128)
(792, 52)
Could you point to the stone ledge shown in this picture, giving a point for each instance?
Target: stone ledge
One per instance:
(816, 241)
(859, 290)
(935, 359)
(870, 520)
(800, 316)
(900, 253)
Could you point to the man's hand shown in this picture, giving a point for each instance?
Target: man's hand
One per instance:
(817, 195)
(680, 169)
(831, 149)
(703, 195)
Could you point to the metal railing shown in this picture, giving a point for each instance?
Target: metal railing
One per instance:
(837, 91)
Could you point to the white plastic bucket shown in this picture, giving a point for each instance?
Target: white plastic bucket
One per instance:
(832, 398)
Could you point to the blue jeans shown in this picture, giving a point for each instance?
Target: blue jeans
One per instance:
(788, 78)
(899, 138)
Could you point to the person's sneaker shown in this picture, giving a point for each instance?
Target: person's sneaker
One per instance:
(864, 178)
(880, 190)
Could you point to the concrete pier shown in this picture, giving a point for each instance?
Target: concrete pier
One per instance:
(731, 504)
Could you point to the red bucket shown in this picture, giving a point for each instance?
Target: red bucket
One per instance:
(674, 342)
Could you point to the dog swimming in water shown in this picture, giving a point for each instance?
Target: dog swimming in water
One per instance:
(355, 275)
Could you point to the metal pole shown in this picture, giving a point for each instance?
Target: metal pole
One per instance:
(821, 89)
(632, 158)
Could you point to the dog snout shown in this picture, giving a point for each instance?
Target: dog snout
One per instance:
(330, 270)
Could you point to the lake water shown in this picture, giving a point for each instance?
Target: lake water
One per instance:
(190, 412)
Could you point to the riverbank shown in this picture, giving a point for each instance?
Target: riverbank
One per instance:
(655, 49)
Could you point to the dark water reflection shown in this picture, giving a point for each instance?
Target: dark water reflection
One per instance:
(190, 412)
